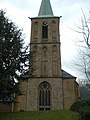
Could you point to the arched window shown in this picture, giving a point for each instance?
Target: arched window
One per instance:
(45, 30)
(44, 96)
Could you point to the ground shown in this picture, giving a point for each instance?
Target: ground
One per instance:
(40, 115)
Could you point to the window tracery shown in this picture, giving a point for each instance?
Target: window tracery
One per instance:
(44, 96)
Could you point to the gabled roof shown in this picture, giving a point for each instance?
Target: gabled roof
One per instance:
(66, 75)
(45, 9)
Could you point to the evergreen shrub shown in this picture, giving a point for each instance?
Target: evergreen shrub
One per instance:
(79, 104)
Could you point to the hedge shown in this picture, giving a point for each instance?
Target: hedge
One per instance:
(84, 113)
(79, 104)
(83, 107)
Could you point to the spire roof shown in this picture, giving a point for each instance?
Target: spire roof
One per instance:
(45, 9)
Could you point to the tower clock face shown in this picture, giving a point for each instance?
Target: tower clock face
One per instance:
(44, 23)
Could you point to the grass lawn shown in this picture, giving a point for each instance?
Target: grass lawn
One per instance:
(39, 115)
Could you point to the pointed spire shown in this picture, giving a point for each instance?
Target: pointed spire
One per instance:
(45, 9)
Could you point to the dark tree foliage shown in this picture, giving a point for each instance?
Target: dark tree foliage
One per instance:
(78, 104)
(14, 59)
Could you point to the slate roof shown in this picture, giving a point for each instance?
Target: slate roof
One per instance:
(45, 9)
(66, 75)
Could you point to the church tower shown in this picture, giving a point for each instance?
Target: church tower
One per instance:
(45, 42)
(50, 88)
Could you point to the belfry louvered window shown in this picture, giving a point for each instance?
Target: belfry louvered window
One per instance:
(45, 30)
(44, 96)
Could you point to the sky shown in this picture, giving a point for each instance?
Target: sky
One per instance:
(70, 10)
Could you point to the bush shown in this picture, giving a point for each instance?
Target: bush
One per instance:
(84, 113)
(79, 104)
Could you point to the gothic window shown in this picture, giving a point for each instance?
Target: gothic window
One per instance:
(44, 96)
(45, 30)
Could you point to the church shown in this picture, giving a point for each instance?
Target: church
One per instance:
(50, 88)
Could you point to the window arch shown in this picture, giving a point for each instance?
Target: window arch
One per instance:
(44, 96)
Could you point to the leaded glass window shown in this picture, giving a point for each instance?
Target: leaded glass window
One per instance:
(44, 96)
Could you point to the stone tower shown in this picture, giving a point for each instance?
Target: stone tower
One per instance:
(45, 41)
(50, 88)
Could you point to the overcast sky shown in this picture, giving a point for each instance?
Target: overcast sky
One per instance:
(70, 10)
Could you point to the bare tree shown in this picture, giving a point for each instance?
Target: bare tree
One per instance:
(84, 47)
(83, 57)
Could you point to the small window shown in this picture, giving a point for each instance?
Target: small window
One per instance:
(45, 30)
